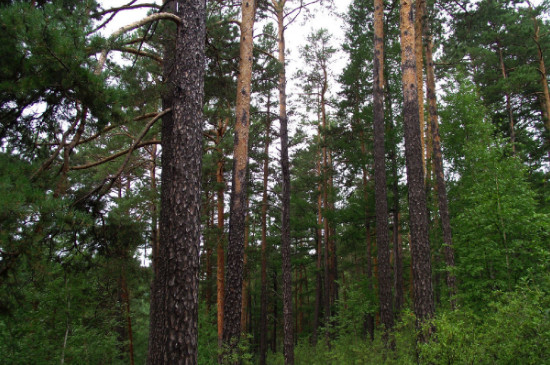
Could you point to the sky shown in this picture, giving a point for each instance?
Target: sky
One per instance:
(295, 35)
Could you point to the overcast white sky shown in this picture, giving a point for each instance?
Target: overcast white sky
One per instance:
(295, 35)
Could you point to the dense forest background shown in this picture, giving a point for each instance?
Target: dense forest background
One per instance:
(82, 114)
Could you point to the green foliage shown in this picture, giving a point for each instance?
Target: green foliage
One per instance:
(515, 329)
(46, 71)
(498, 232)
(208, 337)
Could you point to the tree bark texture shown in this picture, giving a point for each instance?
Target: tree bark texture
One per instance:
(156, 313)
(418, 221)
(381, 197)
(288, 340)
(419, 20)
(438, 163)
(237, 214)
(246, 276)
(175, 312)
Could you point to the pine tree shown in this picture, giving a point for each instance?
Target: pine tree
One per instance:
(384, 269)
(176, 296)
(235, 248)
(418, 220)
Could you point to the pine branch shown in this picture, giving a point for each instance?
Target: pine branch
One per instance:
(112, 157)
(130, 27)
(108, 183)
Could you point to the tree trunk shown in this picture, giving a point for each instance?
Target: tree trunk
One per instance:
(319, 246)
(156, 309)
(369, 320)
(543, 75)
(288, 340)
(175, 312)
(397, 247)
(235, 249)
(220, 251)
(420, 245)
(263, 294)
(381, 198)
(419, 20)
(275, 314)
(246, 278)
(438, 165)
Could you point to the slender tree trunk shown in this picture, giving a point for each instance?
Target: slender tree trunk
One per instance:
(543, 75)
(288, 340)
(319, 245)
(263, 294)
(220, 251)
(438, 165)
(275, 314)
(420, 245)
(369, 321)
(398, 254)
(419, 20)
(381, 198)
(331, 241)
(244, 303)
(235, 249)
(175, 314)
(332, 286)
(397, 247)
(511, 123)
(157, 310)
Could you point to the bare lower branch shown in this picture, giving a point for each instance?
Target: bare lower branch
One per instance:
(129, 27)
(102, 188)
(112, 157)
(138, 52)
(125, 7)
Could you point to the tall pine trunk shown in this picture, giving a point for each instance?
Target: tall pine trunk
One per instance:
(419, 20)
(288, 340)
(174, 314)
(263, 293)
(381, 198)
(237, 214)
(418, 219)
